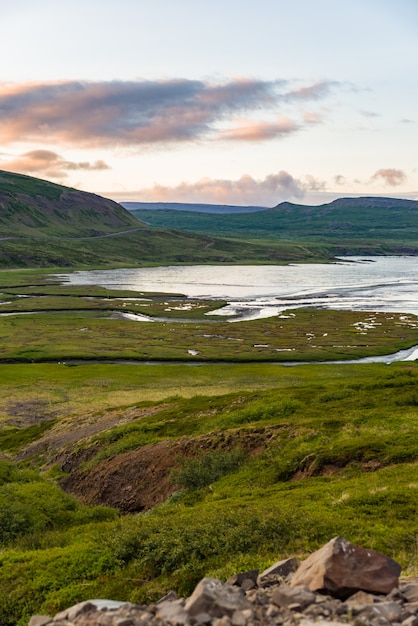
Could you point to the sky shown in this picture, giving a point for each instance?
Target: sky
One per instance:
(249, 102)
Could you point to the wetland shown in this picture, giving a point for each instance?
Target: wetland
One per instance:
(123, 481)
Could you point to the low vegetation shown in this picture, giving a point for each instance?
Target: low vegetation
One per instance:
(253, 461)
(47, 225)
(48, 322)
(321, 451)
(355, 225)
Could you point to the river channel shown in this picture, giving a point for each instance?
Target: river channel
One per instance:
(255, 291)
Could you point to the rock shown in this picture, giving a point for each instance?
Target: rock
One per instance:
(281, 568)
(275, 603)
(238, 579)
(216, 598)
(169, 597)
(410, 592)
(76, 610)
(287, 596)
(39, 620)
(172, 611)
(341, 568)
(320, 622)
(390, 610)
(360, 598)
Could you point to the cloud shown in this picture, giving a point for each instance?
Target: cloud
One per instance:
(369, 114)
(317, 91)
(136, 113)
(48, 163)
(246, 130)
(390, 176)
(340, 179)
(312, 118)
(310, 183)
(269, 191)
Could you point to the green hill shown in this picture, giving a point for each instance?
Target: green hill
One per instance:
(348, 223)
(31, 206)
(43, 224)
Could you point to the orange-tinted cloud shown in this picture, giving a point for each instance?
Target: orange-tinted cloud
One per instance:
(49, 164)
(247, 190)
(135, 113)
(317, 91)
(246, 130)
(390, 176)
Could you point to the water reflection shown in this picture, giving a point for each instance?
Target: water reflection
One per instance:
(353, 283)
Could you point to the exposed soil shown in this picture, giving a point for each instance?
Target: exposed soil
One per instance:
(57, 444)
(29, 412)
(140, 479)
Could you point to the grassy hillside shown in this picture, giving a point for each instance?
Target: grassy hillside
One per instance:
(30, 205)
(124, 480)
(348, 223)
(48, 225)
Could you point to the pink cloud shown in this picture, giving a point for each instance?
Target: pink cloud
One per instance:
(390, 176)
(48, 163)
(246, 130)
(135, 113)
(268, 191)
(312, 118)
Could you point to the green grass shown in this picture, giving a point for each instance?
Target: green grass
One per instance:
(304, 335)
(320, 451)
(279, 459)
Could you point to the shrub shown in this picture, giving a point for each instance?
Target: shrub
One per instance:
(197, 473)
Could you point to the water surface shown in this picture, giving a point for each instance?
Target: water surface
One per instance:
(254, 291)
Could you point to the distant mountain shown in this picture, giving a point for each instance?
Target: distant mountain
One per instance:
(349, 223)
(193, 207)
(47, 225)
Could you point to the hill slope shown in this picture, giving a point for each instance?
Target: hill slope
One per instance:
(348, 221)
(28, 204)
(47, 225)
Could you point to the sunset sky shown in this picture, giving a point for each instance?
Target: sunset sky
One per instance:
(220, 101)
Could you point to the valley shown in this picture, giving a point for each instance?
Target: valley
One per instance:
(139, 456)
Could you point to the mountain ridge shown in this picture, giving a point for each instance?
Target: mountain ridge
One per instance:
(353, 222)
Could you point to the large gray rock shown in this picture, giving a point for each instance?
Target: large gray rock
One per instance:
(341, 568)
(216, 598)
(281, 568)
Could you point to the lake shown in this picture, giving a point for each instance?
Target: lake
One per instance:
(255, 291)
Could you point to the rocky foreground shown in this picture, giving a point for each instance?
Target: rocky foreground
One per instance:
(339, 584)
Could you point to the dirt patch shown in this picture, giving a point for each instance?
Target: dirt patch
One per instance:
(132, 481)
(140, 479)
(309, 467)
(58, 443)
(27, 413)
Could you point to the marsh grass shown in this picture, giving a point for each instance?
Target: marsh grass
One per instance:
(75, 334)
